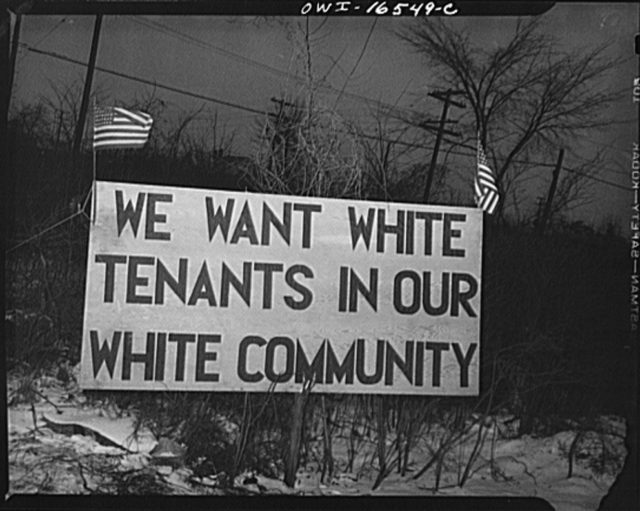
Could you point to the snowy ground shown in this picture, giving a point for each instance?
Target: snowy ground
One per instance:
(79, 448)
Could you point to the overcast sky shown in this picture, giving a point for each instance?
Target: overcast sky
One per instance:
(247, 61)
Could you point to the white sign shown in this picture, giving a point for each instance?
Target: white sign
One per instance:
(205, 290)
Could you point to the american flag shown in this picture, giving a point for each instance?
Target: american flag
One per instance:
(485, 188)
(115, 127)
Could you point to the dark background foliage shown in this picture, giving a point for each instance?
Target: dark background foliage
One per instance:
(554, 321)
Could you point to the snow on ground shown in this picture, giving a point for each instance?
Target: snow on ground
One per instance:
(522, 467)
(79, 448)
(531, 467)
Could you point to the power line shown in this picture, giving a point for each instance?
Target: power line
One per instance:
(262, 112)
(186, 92)
(610, 171)
(594, 178)
(540, 164)
(145, 81)
(159, 27)
(51, 31)
(573, 171)
(355, 66)
(537, 163)
(153, 25)
(189, 93)
(610, 146)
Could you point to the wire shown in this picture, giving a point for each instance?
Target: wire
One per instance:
(146, 82)
(261, 112)
(246, 60)
(191, 94)
(457, 153)
(159, 27)
(50, 228)
(611, 171)
(541, 164)
(50, 32)
(594, 178)
(355, 66)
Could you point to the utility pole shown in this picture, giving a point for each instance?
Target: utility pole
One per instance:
(14, 52)
(5, 69)
(552, 190)
(77, 139)
(446, 98)
(9, 196)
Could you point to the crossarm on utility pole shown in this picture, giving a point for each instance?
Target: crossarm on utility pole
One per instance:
(446, 97)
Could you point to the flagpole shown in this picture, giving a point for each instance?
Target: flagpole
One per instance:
(93, 213)
(95, 195)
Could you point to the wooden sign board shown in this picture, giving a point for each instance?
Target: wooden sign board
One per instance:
(205, 290)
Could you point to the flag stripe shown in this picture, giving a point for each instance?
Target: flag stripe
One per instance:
(107, 137)
(123, 130)
(120, 133)
(115, 141)
(488, 186)
(119, 122)
(140, 117)
(113, 144)
(483, 175)
(107, 140)
(122, 136)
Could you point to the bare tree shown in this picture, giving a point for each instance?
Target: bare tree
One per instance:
(527, 97)
(302, 153)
